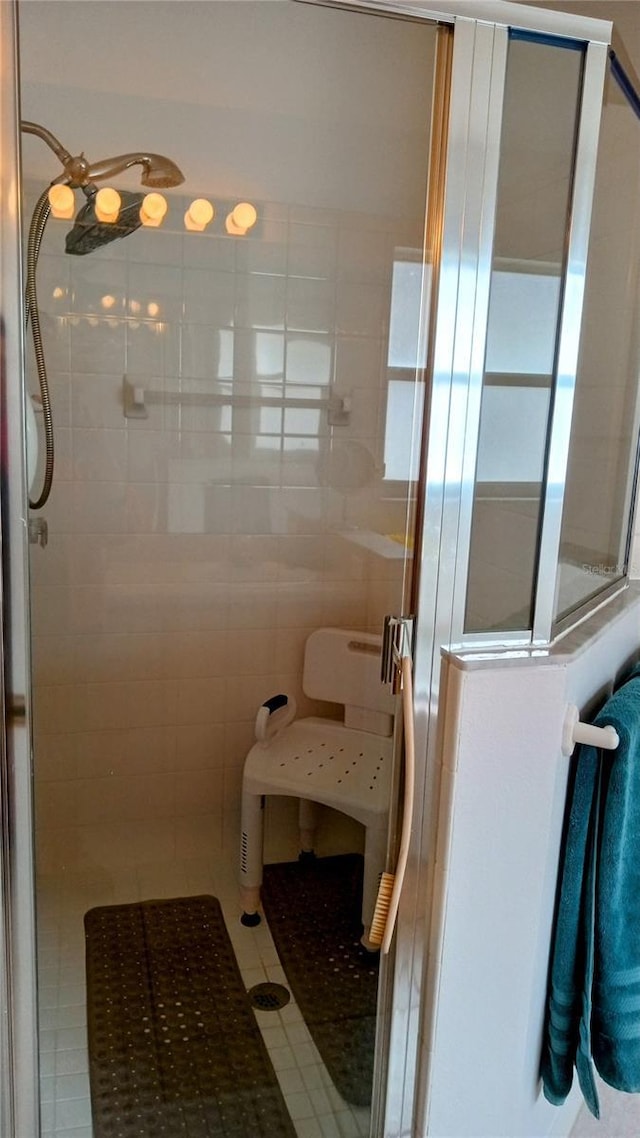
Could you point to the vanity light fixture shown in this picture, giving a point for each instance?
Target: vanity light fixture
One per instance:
(242, 217)
(62, 201)
(107, 205)
(232, 228)
(199, 214)
(153, 210)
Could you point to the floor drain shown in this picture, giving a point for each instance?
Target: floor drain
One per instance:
(269, 997)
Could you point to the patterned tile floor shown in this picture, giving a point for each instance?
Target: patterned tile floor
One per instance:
(315, 1106)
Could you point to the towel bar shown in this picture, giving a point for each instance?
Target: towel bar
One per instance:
(136, 398)
(576, 732)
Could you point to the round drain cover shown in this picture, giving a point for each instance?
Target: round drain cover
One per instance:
(269, 997)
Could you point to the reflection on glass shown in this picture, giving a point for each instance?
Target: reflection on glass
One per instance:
(269, 354)
(406, 354)
(309, 359)
(523, 309)
(596, 516)
(538, 131)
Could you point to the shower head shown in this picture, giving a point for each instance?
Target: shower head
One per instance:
(88, 233)
(157, 170)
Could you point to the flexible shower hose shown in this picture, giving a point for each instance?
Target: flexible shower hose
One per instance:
(32, 315)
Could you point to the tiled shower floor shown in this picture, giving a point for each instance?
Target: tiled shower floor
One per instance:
(315, 1106)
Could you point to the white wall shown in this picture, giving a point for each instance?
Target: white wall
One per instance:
(503, 789)
(288, 102)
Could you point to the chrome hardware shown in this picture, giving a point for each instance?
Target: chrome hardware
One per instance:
(17, 707)
(38, 531)
(397, 642)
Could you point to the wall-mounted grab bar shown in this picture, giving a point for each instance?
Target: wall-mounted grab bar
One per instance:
(136, 398)
(576, 732)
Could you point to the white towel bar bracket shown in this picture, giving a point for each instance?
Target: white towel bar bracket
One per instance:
(576, 732)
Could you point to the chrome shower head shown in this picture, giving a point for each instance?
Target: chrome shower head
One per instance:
(88, 233)
(158, 171)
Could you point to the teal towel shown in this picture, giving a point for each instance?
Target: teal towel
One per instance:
(593, 1011)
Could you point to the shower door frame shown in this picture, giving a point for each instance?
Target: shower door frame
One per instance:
(19, 1092)
(459, 314)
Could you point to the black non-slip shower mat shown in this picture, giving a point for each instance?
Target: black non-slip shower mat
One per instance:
(174, 1048)
(313, 908)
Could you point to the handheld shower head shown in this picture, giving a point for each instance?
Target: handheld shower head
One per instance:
(158, 171)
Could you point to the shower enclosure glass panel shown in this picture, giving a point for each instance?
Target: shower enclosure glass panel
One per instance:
(240, 487)
(542, 96)
(595, 535)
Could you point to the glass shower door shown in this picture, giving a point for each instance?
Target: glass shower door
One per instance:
(237, 420)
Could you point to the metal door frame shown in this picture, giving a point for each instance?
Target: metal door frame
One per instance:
(19, 1074)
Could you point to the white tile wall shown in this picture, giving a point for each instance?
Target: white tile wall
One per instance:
(190, 553)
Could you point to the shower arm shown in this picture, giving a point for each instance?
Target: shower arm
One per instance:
(52, 142)
(76, 169)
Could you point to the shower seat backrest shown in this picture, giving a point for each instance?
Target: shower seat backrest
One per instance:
(343, 666)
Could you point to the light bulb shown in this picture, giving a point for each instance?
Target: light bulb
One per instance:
(153, 209)
(199, 214)
(232, 228)
(153, 309)
(244, 215)
(108, 301)
(62, 201)
(107, 205)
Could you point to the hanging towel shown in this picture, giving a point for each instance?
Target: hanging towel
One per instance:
(593, 1011)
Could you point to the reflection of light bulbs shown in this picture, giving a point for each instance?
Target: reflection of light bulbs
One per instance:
(134, 305)
(107, 205)
(153, 209)
(62, 201)
(58, 293)
(244, 215)
(108, 301)
(199, 214)
(232, 228)
(153, 308)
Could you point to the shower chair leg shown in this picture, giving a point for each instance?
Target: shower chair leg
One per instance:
(251, 856)
(307, 823)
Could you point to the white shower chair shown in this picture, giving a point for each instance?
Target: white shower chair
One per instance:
(346, 765)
